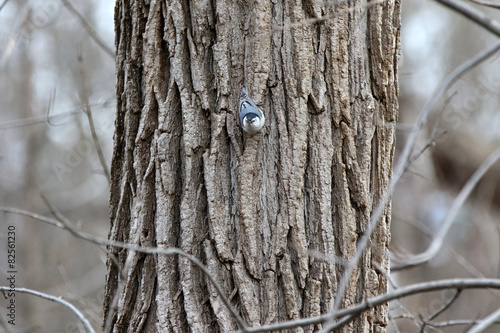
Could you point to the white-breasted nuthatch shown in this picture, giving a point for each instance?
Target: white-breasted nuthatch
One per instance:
(251, 119)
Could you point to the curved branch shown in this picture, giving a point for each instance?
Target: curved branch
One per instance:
(59, 300)
(382, 299)
(448, 323)
(437, 242)
(403, 162)
(89, 29)
(65, 224)
(445, 307)
(3, 4)
(473, 14)
(486, 322)
(485, 3)
(90, 118)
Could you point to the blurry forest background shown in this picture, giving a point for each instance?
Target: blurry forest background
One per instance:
(56, 63)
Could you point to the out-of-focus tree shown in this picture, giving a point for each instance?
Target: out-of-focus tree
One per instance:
(47, 149)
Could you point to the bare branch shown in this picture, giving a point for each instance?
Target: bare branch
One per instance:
(456, 323)
(407, 315)
(485, 3)
(89, 29)
(434, 135)
(486, 322)
(3, 4)
(88, 112)
(459, 259)
(43, 119)
(403, 162)
(121, 284)
(52, 98)
(59, 300)
(473, 14)
(382, 299)
(35, 216)
(441, 310)
(340, 323)
(67, 225)
(437, 242)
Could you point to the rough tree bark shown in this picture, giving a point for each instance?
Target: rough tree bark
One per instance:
(267, 214)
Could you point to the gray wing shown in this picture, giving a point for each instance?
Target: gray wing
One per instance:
(247, 109)
(247, 106)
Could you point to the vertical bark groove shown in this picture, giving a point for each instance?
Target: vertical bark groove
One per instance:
(270, 215)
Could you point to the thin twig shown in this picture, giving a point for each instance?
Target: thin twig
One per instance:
(458, 258)
(15, 37)
(485, 3)
(433, 135)
(150, 250)
(486, 322)
(35, 216)
(402, 164)
(89, 29)
(52, 99)
(394, 324)
(383, 299)
(339, 324)
(114, 307)
(59, 300)
(407, 315)
(90, 118)
(65, 224)
(437, 242)
(456, 323)
(473, 14)
(43, 119)
(352, 311)
(441, 310)
(3, 4)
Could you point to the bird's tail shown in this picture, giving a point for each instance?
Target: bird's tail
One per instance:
(244, 93)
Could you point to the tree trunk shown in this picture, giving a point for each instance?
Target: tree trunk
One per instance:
(273, 215)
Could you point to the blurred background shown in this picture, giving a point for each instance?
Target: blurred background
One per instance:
(52, 70)
(463, 130)
(56, 63)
